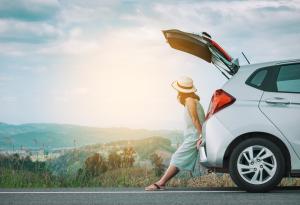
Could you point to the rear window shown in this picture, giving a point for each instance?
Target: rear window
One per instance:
(257, 78)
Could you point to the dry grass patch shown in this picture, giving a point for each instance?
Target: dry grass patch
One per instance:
(289, 182)
(209, 180)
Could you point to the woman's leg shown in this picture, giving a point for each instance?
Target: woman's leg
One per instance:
(169, 174)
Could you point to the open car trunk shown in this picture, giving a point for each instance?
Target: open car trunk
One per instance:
(203, 47)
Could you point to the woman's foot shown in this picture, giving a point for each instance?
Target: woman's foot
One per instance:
(155, 187)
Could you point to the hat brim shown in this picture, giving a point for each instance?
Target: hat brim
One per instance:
(183, 90)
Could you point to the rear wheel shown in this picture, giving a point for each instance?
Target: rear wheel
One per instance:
(256, 165)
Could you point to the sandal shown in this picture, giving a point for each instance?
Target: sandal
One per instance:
(154, 187)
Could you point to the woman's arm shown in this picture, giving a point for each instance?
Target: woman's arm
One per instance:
(192, 108)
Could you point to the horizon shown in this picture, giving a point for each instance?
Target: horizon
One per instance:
(89, 126)
(52, 135)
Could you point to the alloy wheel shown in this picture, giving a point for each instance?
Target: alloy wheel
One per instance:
(256, 164)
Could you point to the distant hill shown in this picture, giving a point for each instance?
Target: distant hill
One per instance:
(71, 161)
(51, 136)
(146, 147)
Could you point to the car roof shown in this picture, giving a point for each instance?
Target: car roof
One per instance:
(267, 64)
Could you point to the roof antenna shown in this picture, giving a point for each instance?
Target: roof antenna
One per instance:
(245, 57)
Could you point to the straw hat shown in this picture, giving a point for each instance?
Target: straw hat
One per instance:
(184, 85)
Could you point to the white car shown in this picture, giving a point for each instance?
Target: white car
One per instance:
(252, 128)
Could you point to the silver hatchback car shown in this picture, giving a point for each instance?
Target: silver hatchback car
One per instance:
(252, 128)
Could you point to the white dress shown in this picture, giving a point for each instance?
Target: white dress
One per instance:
(186, 156)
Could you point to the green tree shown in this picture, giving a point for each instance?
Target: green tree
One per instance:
(128, 157)
(157, 162)
(95, 165)
(114, 160)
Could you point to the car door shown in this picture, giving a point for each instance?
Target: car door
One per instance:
(203, 47)
(281, 104)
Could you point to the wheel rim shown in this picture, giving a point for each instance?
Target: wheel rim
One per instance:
(257, 164)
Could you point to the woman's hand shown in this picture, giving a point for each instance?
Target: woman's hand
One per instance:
(199, 142)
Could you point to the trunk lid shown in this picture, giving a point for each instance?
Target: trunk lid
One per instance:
(203, 47)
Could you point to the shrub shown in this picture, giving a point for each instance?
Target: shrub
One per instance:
(157, 162)
(128, 157)
(114, 160)
(95, 165)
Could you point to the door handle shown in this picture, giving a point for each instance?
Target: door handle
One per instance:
(278, 100)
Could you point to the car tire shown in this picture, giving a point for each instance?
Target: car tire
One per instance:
(263, 171)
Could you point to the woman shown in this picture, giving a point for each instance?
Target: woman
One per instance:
(186, 155)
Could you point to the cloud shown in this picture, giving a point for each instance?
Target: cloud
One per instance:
(85, 11)
(28, 32)
(35, 69)
(8, 99)
(28, 10)
(28, 22)
(237, 25)
(4, 78)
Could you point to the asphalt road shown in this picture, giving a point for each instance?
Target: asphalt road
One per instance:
(131, 196)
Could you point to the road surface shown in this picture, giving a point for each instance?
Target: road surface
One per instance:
(132, 196)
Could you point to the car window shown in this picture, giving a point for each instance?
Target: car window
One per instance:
(258, 78)
(288, 79)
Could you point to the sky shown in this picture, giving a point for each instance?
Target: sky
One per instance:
(106, 63)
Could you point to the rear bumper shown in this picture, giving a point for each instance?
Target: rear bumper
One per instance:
(216, 140)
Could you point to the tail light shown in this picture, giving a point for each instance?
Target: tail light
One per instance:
(219, 101)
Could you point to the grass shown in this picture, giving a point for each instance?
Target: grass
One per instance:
(21, 179)
(125, 177)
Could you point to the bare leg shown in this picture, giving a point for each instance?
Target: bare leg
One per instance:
(169, 174)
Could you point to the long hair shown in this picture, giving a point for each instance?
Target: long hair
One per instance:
(182, 96)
